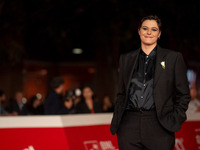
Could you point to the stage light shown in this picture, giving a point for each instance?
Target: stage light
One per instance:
(24, 100)
(77, 51)
(78, 92)
(39, 96)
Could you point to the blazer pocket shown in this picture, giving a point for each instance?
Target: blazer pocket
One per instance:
(167, 106)
(168, 109)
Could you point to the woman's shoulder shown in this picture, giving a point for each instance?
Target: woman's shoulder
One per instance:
(81, 103)
(130, 53)
(169, 51)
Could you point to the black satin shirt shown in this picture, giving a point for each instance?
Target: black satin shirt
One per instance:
(141, 87)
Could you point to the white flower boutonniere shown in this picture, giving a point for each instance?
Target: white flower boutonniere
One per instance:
(163, 64)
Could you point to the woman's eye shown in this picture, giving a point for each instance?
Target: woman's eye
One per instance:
(154, 30)
(144, 28)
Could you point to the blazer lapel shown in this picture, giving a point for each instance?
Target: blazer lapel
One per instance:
(158, 67)
(131, 65)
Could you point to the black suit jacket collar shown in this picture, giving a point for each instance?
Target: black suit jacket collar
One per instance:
(160, 56)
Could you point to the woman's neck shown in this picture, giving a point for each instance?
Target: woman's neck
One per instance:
(148, 48)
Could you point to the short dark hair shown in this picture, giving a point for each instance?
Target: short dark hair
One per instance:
(90, 87)
(151, 17)
(56, 82)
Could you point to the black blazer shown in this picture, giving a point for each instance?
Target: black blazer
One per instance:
(170, 88)
(53, 105)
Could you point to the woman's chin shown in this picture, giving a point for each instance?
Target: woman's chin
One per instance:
(149, 43)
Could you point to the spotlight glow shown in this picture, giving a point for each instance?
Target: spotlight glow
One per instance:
(78, 92)
(77, 51)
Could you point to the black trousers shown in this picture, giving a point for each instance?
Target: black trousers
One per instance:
(142, 131)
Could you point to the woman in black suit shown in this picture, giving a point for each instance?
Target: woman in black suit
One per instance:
(153, 93)
(88, 103)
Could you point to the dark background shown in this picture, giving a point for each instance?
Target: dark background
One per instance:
(39, 35)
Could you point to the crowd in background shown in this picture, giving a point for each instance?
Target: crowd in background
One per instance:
(56, 103)
(71, 102)
(194, 105)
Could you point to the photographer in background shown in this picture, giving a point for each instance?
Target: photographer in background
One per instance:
(36, 106)
(70, 100)
(53, 104)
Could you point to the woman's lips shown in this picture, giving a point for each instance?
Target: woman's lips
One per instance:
(148, 37)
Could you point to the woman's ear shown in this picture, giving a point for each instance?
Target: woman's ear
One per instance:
(139, 31)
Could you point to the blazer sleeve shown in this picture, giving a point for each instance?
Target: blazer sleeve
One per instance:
(121, 87)
(182, 89)
(120, 97)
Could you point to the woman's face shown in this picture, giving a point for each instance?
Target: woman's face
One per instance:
(87, 93)
(149, 32)
(106, 101)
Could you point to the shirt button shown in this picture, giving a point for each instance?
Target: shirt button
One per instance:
(146, 62)
(147, 56)
(141, 96)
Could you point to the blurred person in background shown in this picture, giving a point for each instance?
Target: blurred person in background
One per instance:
(88, 103)
(194, 105)
(198, 97)
(54, 104)
(36, 106)
(18, 106)
(2, 101)
(107, 105)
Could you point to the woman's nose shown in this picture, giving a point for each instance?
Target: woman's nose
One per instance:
(148, 31)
